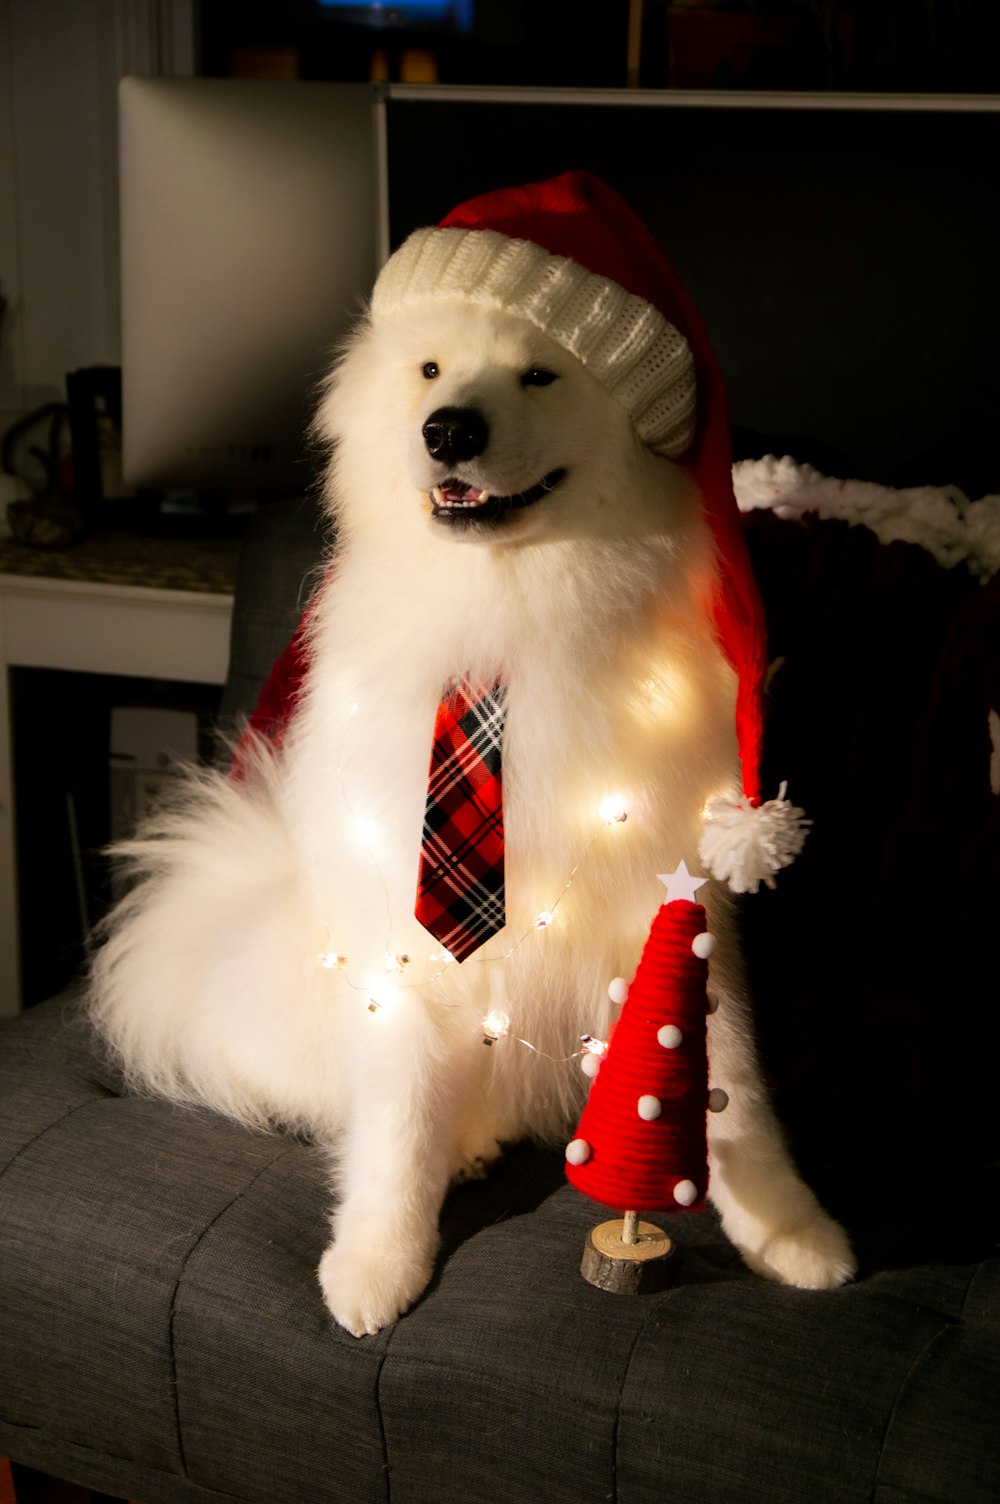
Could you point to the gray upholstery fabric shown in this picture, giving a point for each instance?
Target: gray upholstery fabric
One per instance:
(162, 1335)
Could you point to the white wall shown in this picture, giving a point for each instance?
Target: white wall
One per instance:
(60, 62)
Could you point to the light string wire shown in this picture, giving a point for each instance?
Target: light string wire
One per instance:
(613, 813)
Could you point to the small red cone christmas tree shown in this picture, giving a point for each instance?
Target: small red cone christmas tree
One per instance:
(641, 1141)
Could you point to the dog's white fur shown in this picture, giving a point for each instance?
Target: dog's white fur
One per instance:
(209, 985)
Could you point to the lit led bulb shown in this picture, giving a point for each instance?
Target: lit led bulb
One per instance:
(594, 1051)
(496, 1025)
(382, 994)
(395, 963)
(366, 832)
(330, 961)
(544, 919)
(716, 802)
(613, 810)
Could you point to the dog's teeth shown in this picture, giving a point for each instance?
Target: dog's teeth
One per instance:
(451, 503)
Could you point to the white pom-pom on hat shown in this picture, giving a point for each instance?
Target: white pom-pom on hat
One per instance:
(745, 845)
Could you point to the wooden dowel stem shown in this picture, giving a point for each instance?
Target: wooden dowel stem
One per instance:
(630, 1228)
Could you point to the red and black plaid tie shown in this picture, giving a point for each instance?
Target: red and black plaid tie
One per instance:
(460, 892)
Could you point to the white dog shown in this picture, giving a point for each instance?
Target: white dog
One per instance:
(499, 513)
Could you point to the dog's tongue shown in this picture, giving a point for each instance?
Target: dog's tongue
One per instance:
(455, 493)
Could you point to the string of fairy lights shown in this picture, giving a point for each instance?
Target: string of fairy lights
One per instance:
(381, 989)
(496, 1024)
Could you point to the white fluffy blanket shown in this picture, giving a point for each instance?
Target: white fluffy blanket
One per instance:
(940, 518)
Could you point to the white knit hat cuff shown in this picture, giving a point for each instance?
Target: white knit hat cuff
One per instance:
(622, 340)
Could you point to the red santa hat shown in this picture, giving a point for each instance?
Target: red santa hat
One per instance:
(571, 256)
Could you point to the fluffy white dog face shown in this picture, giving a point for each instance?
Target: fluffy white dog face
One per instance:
(478, 427)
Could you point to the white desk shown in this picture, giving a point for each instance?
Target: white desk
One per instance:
(93, 627)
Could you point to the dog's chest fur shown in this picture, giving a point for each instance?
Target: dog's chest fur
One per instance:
(613, 688)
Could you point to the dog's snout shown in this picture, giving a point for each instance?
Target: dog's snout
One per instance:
(452, 434)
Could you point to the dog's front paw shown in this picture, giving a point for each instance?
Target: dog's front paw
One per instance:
(813, 1256)
(366, 1288)
(476, 1162)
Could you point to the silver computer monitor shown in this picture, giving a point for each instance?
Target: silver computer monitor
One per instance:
(248, 241)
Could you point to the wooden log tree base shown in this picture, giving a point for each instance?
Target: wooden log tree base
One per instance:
(627, 1268)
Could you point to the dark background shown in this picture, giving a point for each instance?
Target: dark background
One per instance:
(884, 45)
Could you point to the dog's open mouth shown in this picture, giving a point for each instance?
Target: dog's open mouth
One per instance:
(456, 503)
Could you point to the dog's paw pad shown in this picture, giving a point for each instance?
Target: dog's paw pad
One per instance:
(477, 1167)
(816, 1256)
(367, 1289)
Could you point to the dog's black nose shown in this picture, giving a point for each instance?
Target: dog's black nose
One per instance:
(455, 433)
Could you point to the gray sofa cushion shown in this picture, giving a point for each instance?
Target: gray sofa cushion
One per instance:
(162, 1335)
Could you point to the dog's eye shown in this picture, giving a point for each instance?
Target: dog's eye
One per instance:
(538, 376)
(430, 370)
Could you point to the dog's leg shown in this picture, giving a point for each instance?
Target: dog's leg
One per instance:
(767, 1210)
(394, 1165)
(479, 1136)
(481, 1126)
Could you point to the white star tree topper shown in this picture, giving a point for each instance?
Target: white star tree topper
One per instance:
(682, 883)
